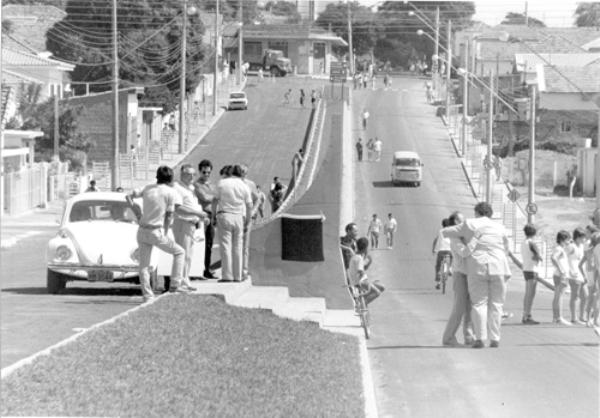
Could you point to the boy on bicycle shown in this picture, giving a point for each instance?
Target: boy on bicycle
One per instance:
(359, 263)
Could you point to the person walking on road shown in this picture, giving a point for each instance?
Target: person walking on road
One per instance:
(159, 203)
(374, 231)
(286, 97)
(390, 229)
(370, 151)
(461, 308)
(189, 216)
(359, 149)
(377, 147)
(302, 97)
(488, 271)
(365, 118)
(205, 193)
(576, 278)
(260, 210)
(313, 99)
(560, 260)
(232, 207)
(532, 264)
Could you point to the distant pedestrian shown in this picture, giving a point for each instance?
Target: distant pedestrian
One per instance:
(390, 229)
(560, 260)
(286, 97)
(260, 74)
(377, 146)
(92, 187)
(261, 203)
(370, 149)
(497, 163)
(172, 122)
(532, 264)
(365, 118)
(313, 99)
(359, 149)
(374, 230)
(365, 80)
(302, 97)
(276, 196)
(441, 248)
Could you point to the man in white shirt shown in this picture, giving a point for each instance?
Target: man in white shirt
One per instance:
(188, 218)
(374, 231)
(390, 229)
(159, 202)
(377, 146)
(255, 203)
(232, 208)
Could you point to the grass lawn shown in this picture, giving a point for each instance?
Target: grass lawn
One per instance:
(193, 356)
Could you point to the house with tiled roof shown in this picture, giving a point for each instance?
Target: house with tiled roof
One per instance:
(52, 74)
(29, 23)
(309, 48)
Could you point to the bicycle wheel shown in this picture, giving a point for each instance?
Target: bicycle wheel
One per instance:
(363, 313)
(444, 280)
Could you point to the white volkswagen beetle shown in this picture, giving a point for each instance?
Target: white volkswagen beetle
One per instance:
(96, 241)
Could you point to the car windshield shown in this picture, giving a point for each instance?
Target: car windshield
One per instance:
(237, 96)
(410, 162)
(101, 210)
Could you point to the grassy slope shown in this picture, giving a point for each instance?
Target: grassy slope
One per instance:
(190, 355)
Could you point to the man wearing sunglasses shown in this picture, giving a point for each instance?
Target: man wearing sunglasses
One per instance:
(205, 192)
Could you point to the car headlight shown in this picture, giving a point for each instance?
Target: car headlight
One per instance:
(135, 255)
(63, 253)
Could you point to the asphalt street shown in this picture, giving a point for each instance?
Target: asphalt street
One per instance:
(538, 371)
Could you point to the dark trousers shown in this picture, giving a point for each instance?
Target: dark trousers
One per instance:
(209, 235)
(359, 155)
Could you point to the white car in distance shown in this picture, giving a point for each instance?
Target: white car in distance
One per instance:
(237, 100)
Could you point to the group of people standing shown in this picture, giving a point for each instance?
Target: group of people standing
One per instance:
(376, 227)
(374, 148)
(227, 207)
(314, 96)
(480, 252)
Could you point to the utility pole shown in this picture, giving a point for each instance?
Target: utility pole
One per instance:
(181, 147)
(115, 166)
(214, 110)
(436, 63)
(56, 122)
(488, 163)
(598, 165)
(240, 45)
(448, 68)
(526, 15)
(350, 47)
(465, 109)
(531, 189)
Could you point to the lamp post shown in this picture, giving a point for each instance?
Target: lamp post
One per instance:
(488, 163)
(214, 109)
(465, 110)
(181, 147)
(531, 208)
(448, 69)
(350, 48)
(240, 45)
(115, 128)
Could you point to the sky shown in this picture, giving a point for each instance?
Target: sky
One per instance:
(554, 13)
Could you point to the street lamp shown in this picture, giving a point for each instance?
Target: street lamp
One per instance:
(182, 82)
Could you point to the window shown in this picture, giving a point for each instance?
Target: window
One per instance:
(279, 45)
(97, 210)
(565, 126)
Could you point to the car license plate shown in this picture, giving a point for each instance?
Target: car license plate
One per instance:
(100, 276)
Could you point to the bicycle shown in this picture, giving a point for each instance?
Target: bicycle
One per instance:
(445, 271)
(361, 308)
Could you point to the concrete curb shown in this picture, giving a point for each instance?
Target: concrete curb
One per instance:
(462, 161)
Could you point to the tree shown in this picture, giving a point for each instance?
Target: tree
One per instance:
(513, 18)
(587, 14)
(229, 9)
(284, 8)
(364, 35)
(149, 45)
(398, 26)
(57, 3)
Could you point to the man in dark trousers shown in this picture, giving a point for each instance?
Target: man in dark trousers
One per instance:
(359, 149)
(205, 192)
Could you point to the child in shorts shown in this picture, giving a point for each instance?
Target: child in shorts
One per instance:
(359, 263)
(561, 275)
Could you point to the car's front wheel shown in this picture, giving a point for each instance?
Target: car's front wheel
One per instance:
(55, 282)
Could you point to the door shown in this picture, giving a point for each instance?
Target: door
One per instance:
(319, 58)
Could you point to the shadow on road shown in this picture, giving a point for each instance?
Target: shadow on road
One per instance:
(395, 347)
(387, 183)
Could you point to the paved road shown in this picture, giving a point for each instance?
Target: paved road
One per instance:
(541, 371)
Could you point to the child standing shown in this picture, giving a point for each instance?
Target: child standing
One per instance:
(532, 263)
(560, 260)
(575, 254)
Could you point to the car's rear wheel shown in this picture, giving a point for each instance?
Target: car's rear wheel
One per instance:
(55, 282)
(275, 72)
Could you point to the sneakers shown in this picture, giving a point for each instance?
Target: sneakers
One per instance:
(529, 321)
(181, 289)
(188, 288)
(208, 275)
(561, 321)
(577, 322)
(494, 344)
(478, 344)
(507, 315)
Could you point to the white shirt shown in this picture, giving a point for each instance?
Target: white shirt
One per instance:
(158, 199)
(375, 226)
(357, 265)
(377, 145)
(560, 255)
(187, 200)
(575, 255)
(233, 195)
(528, 263)
(442, 244)
(391, 225)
